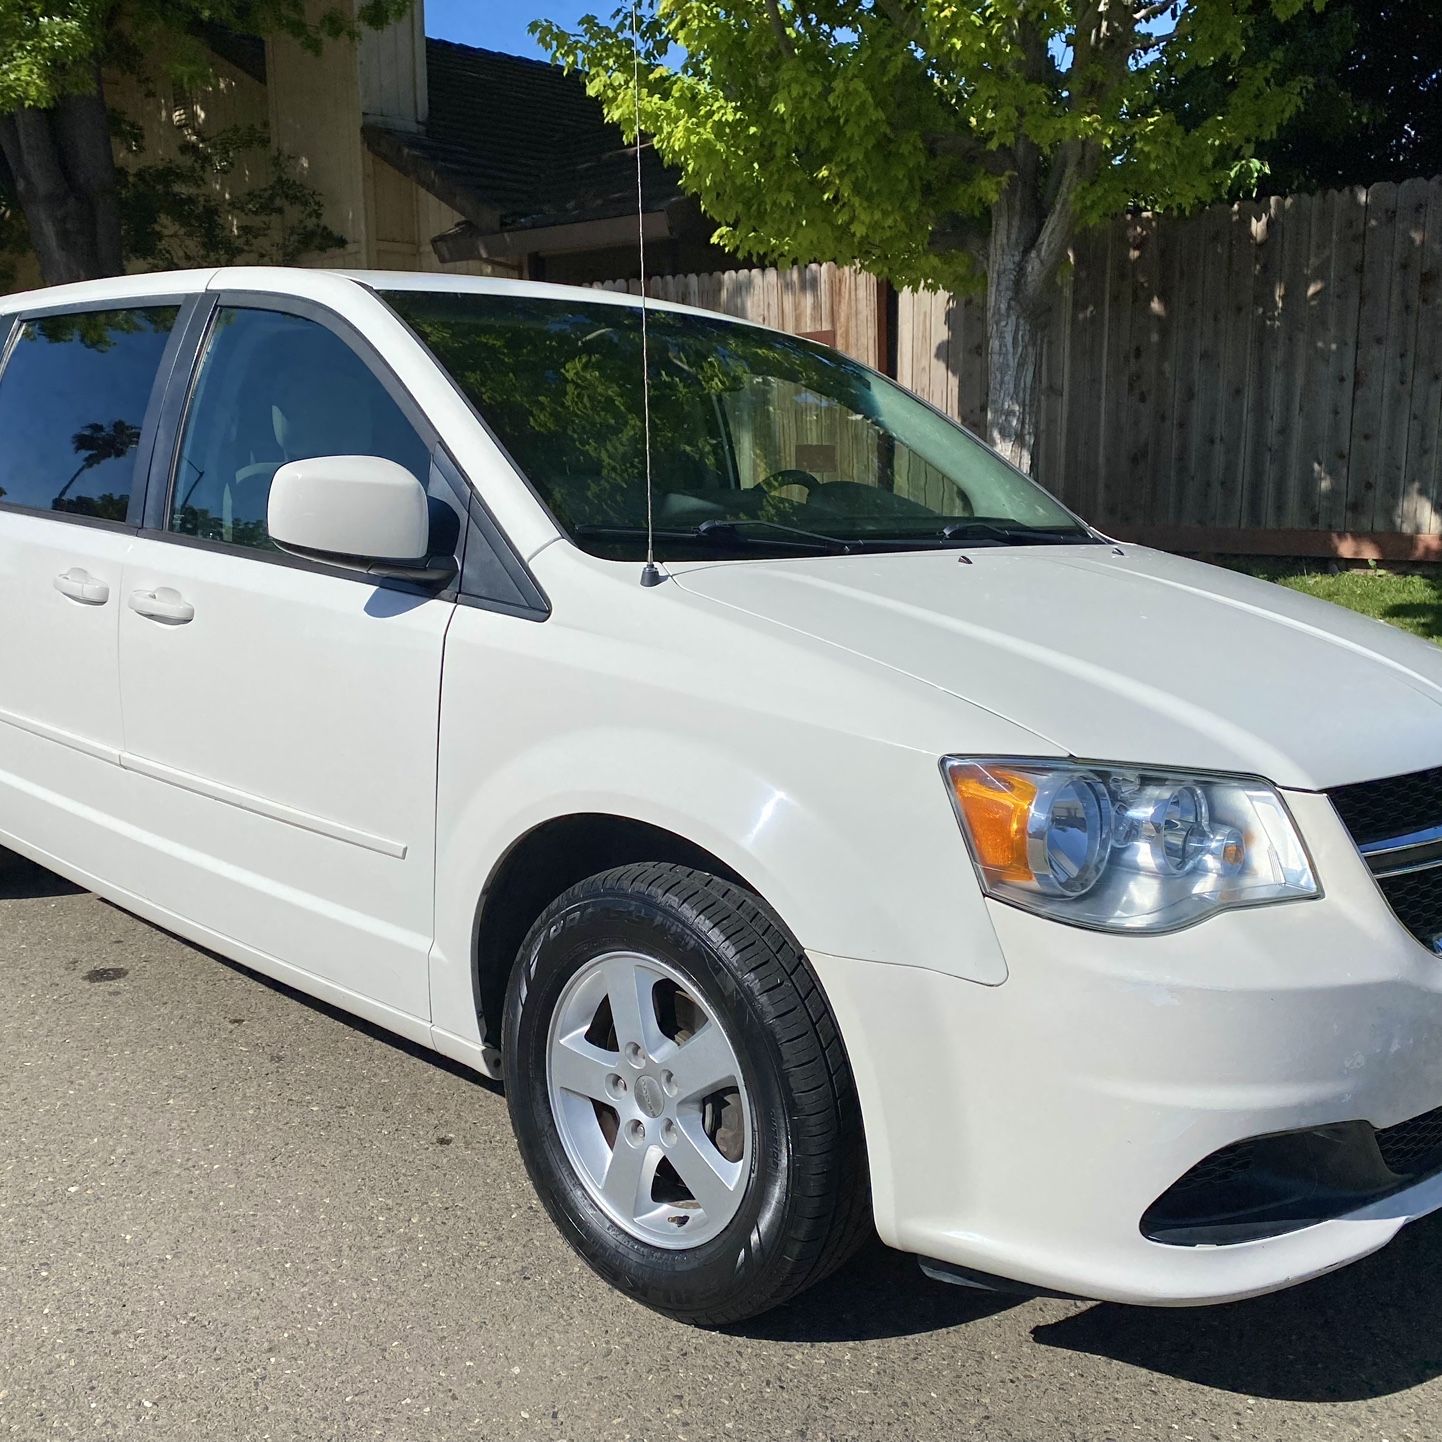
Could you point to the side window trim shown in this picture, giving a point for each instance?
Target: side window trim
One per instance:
(150, 427)
(184, 303)
(180, 391)
(180, 394)
(193, 329)
(12, 334)
(158, 512)
(482, 529)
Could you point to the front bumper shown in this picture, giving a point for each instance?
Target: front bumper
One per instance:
(1023, 1130)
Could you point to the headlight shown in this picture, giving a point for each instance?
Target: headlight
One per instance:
(1121, 849)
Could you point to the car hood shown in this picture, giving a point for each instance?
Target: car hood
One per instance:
(1122, 654)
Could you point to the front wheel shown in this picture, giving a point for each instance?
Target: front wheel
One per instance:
(681, 1095)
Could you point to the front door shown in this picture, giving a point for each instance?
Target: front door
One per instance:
(280, 717)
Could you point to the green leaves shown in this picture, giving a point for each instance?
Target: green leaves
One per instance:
(49, 48)
(45, 48)
(883, 132)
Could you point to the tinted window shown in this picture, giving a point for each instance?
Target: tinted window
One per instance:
(72, 403)
(752, 432)
(275, 388)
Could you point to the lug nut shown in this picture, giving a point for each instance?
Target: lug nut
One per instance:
(635, 1133)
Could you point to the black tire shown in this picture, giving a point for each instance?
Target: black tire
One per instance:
(806, 1205)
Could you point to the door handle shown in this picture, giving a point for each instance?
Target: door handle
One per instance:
(162, 604)
(80, 585)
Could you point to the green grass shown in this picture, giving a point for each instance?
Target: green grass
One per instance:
(1411, 600)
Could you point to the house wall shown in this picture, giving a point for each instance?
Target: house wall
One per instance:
(311, 109)
(317, 105)
(393, 71)
(404, 218)
(314, 112)
(234, 99)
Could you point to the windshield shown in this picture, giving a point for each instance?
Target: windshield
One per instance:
(760, 441)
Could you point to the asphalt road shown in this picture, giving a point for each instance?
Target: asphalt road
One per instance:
(226, 1212)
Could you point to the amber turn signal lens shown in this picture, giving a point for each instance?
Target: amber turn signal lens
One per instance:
(996, 804)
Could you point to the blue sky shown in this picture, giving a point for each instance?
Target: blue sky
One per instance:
(501, 24)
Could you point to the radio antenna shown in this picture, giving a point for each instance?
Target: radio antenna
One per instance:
(650, 575)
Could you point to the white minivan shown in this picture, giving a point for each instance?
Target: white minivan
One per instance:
(904, 854)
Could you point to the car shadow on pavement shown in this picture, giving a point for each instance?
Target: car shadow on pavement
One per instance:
(22, 880)
(346, 1018)
(356, 1023)
(879, 1293)
(1368, 1331)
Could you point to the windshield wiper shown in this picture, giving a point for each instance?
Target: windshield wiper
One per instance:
(738, 531)
(723, 531)
(730, 530)
(1006, 533)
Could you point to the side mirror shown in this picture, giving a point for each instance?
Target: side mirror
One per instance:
(362, 512)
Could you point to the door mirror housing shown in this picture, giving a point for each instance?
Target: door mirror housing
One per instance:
(364, 513)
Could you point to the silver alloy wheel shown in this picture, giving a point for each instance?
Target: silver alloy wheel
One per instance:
(649, 1101)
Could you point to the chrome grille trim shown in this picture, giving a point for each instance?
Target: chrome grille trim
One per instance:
(1404, 868)
(1396, 823)
(1425, 837)
(1393, 855)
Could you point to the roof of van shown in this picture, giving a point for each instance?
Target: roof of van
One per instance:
(307, 282)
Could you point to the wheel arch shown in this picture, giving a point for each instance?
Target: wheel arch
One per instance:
(540, 864)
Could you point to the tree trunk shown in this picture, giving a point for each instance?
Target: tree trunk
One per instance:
(1013, 391)
(66, 183)
(1013, 332)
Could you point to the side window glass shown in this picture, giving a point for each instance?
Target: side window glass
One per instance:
(73, 397)
(275, 388)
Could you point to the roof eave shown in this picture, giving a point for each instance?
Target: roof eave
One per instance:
(472, 242)
(391, 146)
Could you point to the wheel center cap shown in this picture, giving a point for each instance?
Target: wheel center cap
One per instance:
(649, 1096)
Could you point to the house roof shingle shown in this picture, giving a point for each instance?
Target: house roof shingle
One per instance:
(521, 140)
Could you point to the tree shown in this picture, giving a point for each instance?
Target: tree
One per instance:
(1373, 107)
(941, 143)
(12, 229)
(55, 131)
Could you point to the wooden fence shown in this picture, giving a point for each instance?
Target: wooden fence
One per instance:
(1262, 377)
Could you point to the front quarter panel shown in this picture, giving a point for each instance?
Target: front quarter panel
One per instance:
(810, 772)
